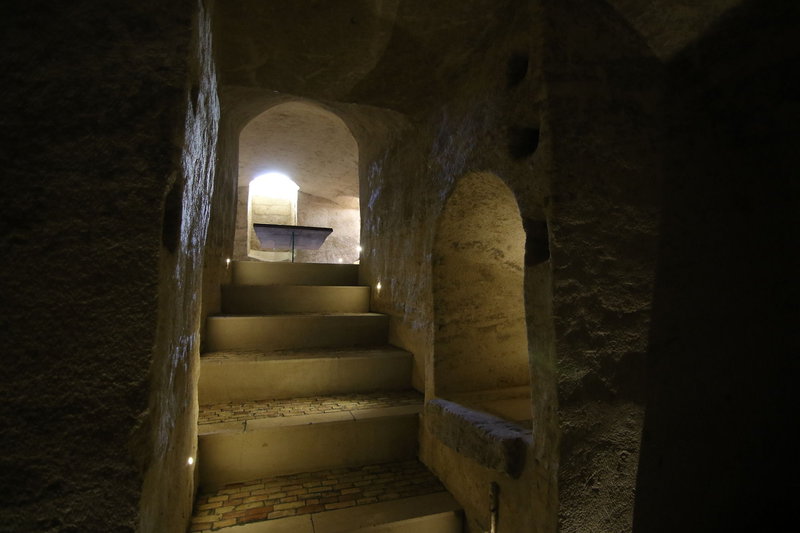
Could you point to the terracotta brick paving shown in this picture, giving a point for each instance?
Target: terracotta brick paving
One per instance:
(237, 412)
(311, 492)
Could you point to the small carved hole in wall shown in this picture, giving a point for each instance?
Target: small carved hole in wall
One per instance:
(537, 242)
(173, 214)
(522, 142)
(517, 69)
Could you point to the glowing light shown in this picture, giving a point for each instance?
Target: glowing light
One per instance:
(228, 262)
(360, 249)
(341, 260)
(274, 185)
(378, 286)
(190, 461)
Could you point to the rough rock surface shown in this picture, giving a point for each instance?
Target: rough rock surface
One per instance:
(101, 120)
(603, 110)
(169, 427)
(490, 441)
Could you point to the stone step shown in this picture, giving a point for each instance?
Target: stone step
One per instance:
(266, 273)
(433, 513)
(240, 376)
(397, 497)
(248, 440)
(274, 299)
(280, 332)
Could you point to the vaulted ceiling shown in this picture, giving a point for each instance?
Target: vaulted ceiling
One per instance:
(306, 142)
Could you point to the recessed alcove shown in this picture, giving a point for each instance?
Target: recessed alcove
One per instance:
(522, 141)
(480, 346)
(314, 149)
(516, 69)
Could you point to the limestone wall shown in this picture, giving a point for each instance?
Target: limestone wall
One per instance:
(108, 136)
(343, 242)
(407, 191)
(260, 210)
(242, 235)
(268, 210)
(573, 138)
(170, 425)
(604, 236)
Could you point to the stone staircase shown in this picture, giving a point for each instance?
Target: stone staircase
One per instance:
(307, 420)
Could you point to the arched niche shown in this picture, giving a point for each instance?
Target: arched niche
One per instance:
(481, 346)
(317, 151)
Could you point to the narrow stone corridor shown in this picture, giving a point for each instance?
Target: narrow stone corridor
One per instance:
(573, 222)
(317, 417)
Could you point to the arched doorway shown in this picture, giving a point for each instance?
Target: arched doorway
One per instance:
(480, 346)
(313, 148)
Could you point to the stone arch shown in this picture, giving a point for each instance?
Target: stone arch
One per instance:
(480, 339)
(317, 150)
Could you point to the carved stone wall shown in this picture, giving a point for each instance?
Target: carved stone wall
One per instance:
(108, 139)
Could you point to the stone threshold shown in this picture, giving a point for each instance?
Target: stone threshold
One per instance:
(300, 314)
(287, 500)
(254, 356)
(241, 416)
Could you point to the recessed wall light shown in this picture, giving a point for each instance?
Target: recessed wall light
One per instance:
(190, 461)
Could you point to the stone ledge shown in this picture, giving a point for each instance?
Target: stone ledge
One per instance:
(492, 442)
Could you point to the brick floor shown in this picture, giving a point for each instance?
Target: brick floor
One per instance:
(240, 411)
(311, 492)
